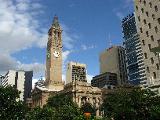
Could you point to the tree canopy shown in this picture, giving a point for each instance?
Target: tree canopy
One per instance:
(10, 107)
(136, 104)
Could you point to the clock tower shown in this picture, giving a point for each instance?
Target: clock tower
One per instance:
(54, 57)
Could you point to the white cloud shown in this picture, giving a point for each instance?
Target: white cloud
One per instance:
(127, 5)
(34, 81)
(68, 38)
(120, 15)
(6, 63)
(64, 77)
(36, 67)
(89, 78)
(18, 26)
(85, 47)
(65, 55)
(20, 30)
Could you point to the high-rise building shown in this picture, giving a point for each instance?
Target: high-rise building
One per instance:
(22, 80)
(9, 78)
(113, 60)
(1, 78)
(148, 23)
(28, 84)
(106, 80)
(76, 72)
(54, 57)
(134, 56)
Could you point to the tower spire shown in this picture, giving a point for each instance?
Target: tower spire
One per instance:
(55, 22)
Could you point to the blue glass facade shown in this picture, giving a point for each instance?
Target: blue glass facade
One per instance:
(134, 58)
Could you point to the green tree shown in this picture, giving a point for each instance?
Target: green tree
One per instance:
(137, 104)
(45, 113)
(88, 108)
(10, 107)
(65, 108)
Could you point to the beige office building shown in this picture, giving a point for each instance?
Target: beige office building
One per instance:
(21, 80)
(148, 23)
(113, 60)
(75, 72)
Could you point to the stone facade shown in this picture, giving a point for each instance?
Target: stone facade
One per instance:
(148, 22)
(54, 57)
(40, 96)
(83, 92)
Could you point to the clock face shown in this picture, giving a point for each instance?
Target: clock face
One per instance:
(48, 54)
(56, 54)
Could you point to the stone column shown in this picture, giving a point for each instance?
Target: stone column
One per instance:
(77, 100)
(97, 107)
(79, 103)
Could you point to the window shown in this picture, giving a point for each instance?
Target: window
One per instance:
(157, 65)
(147, 33)
(143, 42)
(147, 13)
(142, 10)
(158, 42)
(156, 29)
(149, 46)
(153, 16)
(154, 75)
(152, 61)
(139, 18)
(144, 2)
(144, 21)
(136, 7)
(145, 55)
(156, 8)
(150, 4)
(152, 38)
(159, 20)
(148, 69)
(149, 25)
(141, 30)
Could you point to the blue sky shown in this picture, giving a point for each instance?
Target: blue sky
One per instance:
(87, 26)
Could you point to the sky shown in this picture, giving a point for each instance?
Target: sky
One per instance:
(89, 26)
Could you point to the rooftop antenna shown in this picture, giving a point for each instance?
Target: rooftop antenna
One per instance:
(110, 41)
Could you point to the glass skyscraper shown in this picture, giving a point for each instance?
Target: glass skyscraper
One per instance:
(134, 56)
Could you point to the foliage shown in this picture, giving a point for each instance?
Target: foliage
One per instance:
(10, 107)
(134, 105)
(88, 108)
(59, 100)
(38, 113)
(65, 108)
